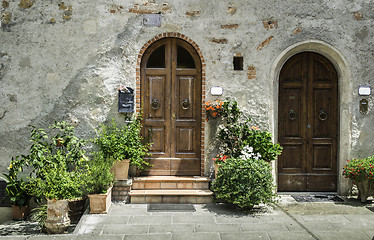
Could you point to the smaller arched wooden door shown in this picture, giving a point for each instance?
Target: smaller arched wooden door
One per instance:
(308, 124)
(171, 104)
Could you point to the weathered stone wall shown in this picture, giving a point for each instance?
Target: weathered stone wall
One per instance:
(65, 60)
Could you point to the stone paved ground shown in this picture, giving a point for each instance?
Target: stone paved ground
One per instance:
(285, 220)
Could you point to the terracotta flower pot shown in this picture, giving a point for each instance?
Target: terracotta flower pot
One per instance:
(57, 216)
(19, 213)
(365, 189)
(76, 209)
(100, 203)
(121, 169)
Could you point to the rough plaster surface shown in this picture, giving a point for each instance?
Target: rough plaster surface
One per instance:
(65, 61)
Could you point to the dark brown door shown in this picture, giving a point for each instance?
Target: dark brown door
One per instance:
(171, 105)
(308, 124)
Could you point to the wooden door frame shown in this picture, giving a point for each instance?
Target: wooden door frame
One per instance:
(203, 168)
(345, 88)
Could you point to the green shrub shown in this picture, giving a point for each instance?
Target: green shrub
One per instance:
(100, 178)
(244, 182)
(123, 142)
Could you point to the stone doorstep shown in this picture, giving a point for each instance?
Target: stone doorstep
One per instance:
(173, 192)
(170, 182)
(172, 179)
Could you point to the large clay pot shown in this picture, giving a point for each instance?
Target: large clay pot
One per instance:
(121, 169)
(100, 203)
(76, 209)
(57, 216)
(19, 213)
(365, 189)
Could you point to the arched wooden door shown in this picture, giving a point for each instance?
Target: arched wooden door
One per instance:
(171, 104)
(308, 124)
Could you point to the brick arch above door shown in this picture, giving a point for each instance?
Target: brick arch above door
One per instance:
(203, 81)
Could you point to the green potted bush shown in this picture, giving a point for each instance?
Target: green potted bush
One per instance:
(244, 182)
(361, 173)
(100, 180)
(124, 144)
(17, 190)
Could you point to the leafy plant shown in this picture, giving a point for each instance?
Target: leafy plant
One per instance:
(213, 109)
(236, 133)
(17, 189)
(123, 142)
(39, 214)
(220, 158)
(244, 182)
(359, 169)
(100, 178)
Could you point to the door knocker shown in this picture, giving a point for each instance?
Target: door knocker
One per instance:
(186, 104)
(155, 104)
(322, 115)
(292, 115)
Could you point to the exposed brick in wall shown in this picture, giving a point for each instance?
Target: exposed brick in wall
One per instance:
(192, 13)
(5, 4)
(251, 72)
(121, 191)
(25, 4)
(230, 26)
(150, 8)
(358, 16)
(231, 10)
(270, 24)
(218, 40)
(203, 78)
(264, 43)
(115, 9)
(297, 30)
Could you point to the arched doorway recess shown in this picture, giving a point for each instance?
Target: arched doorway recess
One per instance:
(308, 123)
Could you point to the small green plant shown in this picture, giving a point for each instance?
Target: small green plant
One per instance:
(123, 142)
(359, 169)
(18, 190)
(39, 214)
(244, 182)
(100, 178)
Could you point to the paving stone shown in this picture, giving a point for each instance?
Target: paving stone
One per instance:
(196, 236)
(148, 237)
(96, 237)
(369, 233)
(52, 237)
(218, 228)
(13, 237)
(193, 219)
(291, 235)
(125, 229)
(261, 227)
(116, 220)
(172, 228)
(354, 225)
(150, 220)
(245, 236)
(339, 235)
(325, 218)
(233, 219)
(318, 226)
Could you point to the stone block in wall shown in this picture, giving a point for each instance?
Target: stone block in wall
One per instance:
(358, 16)
(121, 190)
(25, 4)
(192, 13)
(150, 8)
(251, 72)
(297, 30)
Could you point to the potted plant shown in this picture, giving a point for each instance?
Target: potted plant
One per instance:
(361, 173)
(100, 181)
(17, 190)
(124, 145)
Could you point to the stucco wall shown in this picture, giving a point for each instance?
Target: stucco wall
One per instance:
(65, 60)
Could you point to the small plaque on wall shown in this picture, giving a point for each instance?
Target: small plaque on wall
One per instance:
(152, 20)
(216, 91)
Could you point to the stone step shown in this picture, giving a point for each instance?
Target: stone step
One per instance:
(171, 196)
(170, 182)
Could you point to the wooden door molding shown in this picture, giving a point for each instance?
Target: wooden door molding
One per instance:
(171, 98)
(308, 124)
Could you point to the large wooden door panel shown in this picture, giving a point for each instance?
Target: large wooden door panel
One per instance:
(171, 95)
(308, 124)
